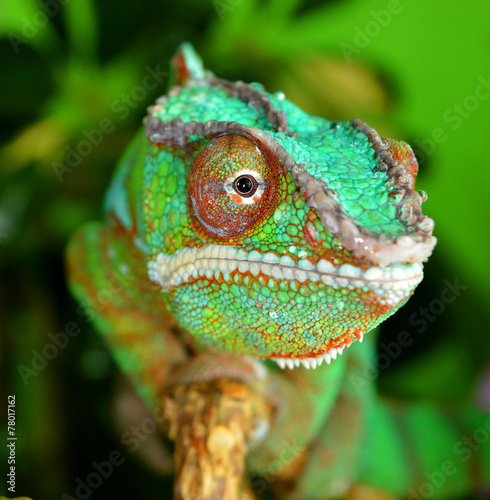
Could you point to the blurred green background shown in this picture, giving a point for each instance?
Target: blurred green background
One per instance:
(413, 69)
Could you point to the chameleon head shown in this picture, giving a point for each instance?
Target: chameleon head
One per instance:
(273, 232)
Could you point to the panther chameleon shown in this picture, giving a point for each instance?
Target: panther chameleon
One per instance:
(244, 237)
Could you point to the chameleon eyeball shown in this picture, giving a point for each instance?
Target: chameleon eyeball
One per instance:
(233, 184)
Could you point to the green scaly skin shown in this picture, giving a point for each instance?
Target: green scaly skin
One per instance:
(240, 229)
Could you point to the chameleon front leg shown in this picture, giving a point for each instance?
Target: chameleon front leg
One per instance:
(108, 276)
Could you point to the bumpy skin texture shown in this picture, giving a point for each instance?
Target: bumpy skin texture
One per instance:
(239, 228)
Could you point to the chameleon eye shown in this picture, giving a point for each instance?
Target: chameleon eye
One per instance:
(232, 185)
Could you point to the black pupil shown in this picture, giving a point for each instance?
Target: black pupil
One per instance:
(246, 185)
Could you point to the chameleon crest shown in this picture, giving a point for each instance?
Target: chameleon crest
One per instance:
(271, 232)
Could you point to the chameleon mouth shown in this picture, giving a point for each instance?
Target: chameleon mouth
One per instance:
(389, 283)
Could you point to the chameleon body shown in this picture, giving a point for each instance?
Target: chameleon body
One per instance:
(239, 229)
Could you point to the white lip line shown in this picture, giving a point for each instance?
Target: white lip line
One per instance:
(168, 270)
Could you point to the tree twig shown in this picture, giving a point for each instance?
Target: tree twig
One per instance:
(212, 424)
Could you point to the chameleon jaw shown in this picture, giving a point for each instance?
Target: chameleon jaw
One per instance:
(310, 362)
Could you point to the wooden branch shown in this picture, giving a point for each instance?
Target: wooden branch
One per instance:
(212, 424)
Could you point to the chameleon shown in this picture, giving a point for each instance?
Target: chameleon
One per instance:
(243, 237)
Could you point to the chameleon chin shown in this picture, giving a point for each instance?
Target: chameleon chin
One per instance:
(239, 229)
